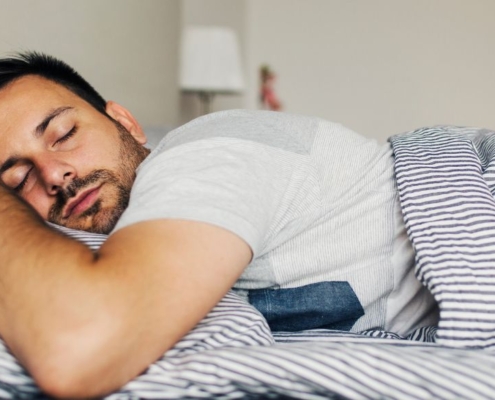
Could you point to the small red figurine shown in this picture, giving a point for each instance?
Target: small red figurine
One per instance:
(269, 99)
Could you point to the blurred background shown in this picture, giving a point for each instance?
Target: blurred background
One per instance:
(379, 67)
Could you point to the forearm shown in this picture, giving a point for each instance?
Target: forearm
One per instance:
(27, 248)
(17, 221)
(61, 313)
(40, 273)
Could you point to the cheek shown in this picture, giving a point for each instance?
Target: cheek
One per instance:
(102, 157)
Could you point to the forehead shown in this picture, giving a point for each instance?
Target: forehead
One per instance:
(24, 101)
(33, 88)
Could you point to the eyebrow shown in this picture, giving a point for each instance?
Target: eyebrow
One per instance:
(41, 128)
(11, 161)
(38, 132)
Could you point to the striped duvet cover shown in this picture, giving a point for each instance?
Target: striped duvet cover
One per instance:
(446, 180)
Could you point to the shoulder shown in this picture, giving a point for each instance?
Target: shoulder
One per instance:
(283, 131)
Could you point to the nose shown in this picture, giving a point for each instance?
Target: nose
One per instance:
(55, 174)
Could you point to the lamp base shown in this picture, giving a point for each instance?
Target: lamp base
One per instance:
(206, 99)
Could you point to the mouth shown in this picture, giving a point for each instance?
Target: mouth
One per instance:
(82, 202)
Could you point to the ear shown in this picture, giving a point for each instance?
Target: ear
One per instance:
(124, 116)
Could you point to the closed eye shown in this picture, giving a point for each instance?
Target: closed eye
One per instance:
(19, 187)
(68, 135)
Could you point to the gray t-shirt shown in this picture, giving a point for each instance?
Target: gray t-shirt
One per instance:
(315, 202)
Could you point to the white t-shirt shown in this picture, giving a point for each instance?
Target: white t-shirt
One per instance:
(315, 202)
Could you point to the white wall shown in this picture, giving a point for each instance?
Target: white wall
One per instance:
(126, 48)
(380, 67)
(229, 13)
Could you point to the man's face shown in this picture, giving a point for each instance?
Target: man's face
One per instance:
(74, 165)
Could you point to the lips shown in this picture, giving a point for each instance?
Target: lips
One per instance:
(82, 202)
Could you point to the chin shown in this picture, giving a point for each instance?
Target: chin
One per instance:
(104, 224)
(100, 220)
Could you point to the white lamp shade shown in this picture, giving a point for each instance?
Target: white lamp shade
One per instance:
(210, 60)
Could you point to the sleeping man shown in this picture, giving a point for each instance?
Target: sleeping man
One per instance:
(299, 215)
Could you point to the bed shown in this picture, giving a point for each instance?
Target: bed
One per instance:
(446, 181)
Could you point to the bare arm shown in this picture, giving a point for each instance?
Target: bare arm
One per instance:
(85, 324)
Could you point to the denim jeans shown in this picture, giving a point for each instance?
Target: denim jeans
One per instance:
(328, 305)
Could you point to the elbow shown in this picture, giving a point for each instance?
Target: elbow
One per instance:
(63, 378)
(59, 384)
(89, 357)
(78, 369)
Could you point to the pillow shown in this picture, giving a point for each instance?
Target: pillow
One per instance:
(154, 134)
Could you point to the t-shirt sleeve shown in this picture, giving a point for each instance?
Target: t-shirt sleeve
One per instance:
(236, 184)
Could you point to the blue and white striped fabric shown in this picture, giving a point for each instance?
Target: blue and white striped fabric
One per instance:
(446, 180)
(449, 211)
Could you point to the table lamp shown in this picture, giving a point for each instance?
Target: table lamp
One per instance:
(210, 63)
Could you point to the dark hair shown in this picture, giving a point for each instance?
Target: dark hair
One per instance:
(53, 69)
